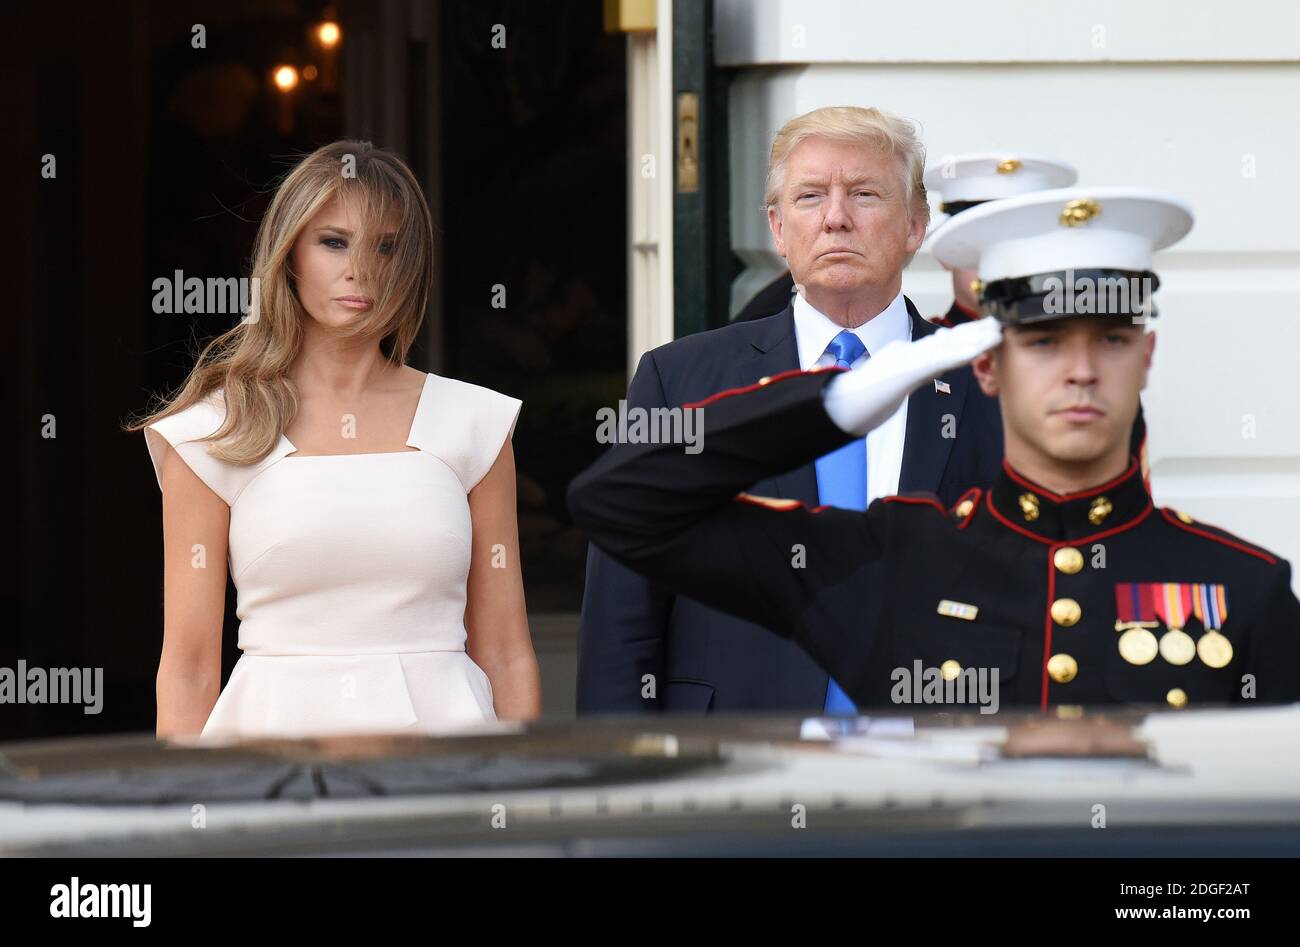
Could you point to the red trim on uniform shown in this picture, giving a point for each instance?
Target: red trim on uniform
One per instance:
(978, 495)
(940, 321)
(923, 500)
(1259, 554)
(1047, 630)
(748, 388)
(1082, 539)
(790, 505)
(1143, 463)
(1061, 497)
(753, 500)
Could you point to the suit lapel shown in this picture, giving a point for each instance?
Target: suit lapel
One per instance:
(930, 430)
(772, 350)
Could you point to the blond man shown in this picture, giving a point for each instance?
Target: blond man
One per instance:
(846, 205)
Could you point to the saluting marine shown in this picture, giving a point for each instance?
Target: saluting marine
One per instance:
(1062, 579)
(973, 180)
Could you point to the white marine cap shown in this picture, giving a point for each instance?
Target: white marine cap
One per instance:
(1069, 229)
(990, 176)
(967, 181)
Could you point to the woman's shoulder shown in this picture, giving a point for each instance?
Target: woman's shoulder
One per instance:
(193, 422)
(185, 431)
(469, 392)
(465, 424)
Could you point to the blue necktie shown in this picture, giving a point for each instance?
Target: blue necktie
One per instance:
(842, 482)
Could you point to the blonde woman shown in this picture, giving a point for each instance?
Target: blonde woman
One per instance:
(366, 510)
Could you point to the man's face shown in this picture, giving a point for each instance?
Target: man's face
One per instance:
(842, 221)
(961, 287)
(1069, 388)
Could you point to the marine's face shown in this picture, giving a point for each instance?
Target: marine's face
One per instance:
(842, 221)
(961, 287)
(329, 287)
(1069, 388)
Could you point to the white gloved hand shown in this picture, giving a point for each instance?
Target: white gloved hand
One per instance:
(862, 399)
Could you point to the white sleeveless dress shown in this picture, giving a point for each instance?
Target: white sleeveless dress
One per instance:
(351, 572)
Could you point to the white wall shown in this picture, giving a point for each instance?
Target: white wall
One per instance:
(1198, 99)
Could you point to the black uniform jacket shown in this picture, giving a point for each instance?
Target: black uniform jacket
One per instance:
(703, 660)
(981, 585)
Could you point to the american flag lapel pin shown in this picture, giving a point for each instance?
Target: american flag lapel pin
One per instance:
(942, 387)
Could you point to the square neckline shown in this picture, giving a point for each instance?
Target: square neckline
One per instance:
(415, 419)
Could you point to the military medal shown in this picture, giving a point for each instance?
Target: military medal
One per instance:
(1210, 605)
(1177, 646)
(1214, 649)
(1138, 646)
(1173, 603)
(1135, 615)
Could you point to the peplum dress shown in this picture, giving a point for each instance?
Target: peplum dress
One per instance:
(351, 573)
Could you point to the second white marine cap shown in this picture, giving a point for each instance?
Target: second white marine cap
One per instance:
(963, 181)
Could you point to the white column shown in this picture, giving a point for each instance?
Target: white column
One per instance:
(650, 187)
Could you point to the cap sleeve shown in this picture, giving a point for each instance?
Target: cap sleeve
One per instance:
(181, 431)
(465, 426)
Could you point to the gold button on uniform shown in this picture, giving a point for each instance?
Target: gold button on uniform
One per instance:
(949, 670)
(1068, 559)
(1177, 698)
(765, 379)
(1062, 668)
(964, 508)
(1185, 518)
(1066, 612)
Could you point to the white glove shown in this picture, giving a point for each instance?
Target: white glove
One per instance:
(862, 399)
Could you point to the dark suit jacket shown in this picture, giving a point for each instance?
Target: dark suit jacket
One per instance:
(702, 659)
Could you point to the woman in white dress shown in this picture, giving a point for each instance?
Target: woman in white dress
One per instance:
(365, 510)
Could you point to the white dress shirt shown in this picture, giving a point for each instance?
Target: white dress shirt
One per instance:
(813, 331)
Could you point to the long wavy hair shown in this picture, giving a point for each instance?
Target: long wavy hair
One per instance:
(250, 362)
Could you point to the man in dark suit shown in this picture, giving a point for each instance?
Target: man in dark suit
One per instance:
(639, 638)
(1061, 585)
(847, 209)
